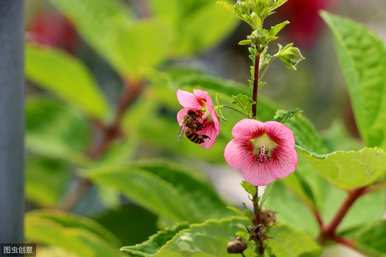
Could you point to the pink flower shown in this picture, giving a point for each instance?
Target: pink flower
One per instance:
(198, 119)
(261, 151)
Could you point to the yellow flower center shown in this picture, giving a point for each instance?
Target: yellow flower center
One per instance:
(263, 147)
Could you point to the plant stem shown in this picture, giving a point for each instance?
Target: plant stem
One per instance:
(256, 206)
(346, 242)
(109, 133)
(330, 231)
(255, 85)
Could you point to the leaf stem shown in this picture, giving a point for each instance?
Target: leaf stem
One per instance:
(346, 242)
(255, 85)
(330, 231)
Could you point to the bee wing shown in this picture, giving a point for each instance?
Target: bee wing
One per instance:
(181, 132)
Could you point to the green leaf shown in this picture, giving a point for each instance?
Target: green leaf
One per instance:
(77, 235)
(349, 169)
(289, 55)
(371, 239)
(109, 28)
(286, 242)
(249, 188)
(305, 133)
(186, 19)
(362, 56)
(66, 77)
(278, 27)
(55, 130)
(190, 79)
(154, 243)
(124, 219)
(368, 208)
(168, 190)
(286, 202)
(208, 239)
(46, 180)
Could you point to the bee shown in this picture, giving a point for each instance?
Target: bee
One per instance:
(192, 124)
(194, 137)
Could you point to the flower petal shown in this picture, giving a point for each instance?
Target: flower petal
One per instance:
(246, 128)
(187, 100)
(280, 132)
(181, 115)
(201, 94)
(212, 133)
(258, 174)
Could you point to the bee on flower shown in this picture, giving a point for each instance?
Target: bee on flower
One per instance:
(198, 119)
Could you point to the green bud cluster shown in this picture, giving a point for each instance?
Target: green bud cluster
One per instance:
(254, 13)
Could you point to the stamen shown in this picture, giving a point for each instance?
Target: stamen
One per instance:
(263, 147)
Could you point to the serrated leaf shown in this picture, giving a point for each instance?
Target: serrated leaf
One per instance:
(362, 57)
(208, 239)
(349, 169)
(77, 235)
(286, 242)
(168, 190)
(66, 77)
(154, 243)
(109, 28)
(55, 130)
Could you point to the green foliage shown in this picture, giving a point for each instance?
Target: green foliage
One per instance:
(154, 243)
(351, 169)
(170, 191)
(75, 234)
(229, 92)
(124, 219)
(289, 55)
(371, 239)
(46, 180)
(132, 47)
(286, 242)
(362, 56)
(255, 12)
(367, 209)
(188, 78)
(195, 25)
(211, 237)
(305, 133)
(286, 203)
(249, 188)
(208, 239)
(66, 77)
(55, 130)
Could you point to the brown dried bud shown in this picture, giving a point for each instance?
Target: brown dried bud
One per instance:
(237, 245)
(267, 218)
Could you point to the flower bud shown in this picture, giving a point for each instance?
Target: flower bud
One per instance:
(237, 245)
